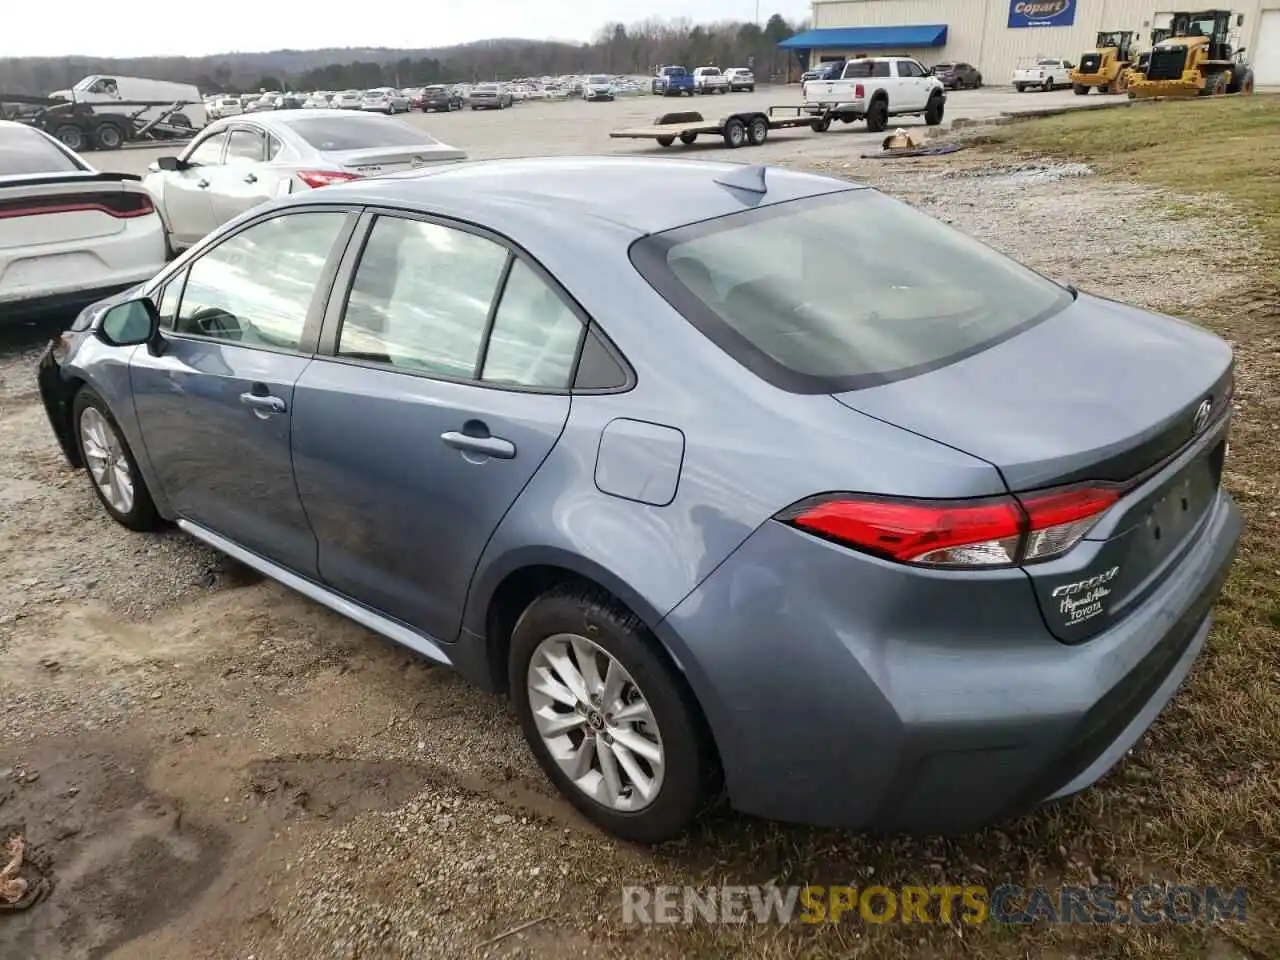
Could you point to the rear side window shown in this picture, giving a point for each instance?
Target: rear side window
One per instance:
(23, 150)
(843, 291)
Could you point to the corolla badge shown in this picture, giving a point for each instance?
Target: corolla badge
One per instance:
(1083, 599)
(1202, 415)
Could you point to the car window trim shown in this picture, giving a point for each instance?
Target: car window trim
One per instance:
(344, 279)
(309, 340)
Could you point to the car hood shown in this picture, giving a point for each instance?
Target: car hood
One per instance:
(1098, 391)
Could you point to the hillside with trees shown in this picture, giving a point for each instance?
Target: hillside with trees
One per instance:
(617, 48)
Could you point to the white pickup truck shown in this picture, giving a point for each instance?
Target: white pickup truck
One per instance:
(1044, 73)
(710, 80)
(875, 89)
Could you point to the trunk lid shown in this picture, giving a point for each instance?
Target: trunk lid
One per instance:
(372, 161)
(1098, 392)
(38, 209)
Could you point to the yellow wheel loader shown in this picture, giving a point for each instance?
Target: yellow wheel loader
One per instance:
(1106, 68)
(1196, 60)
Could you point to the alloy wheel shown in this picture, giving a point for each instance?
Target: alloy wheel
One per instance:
(595, 722)
(105, 457)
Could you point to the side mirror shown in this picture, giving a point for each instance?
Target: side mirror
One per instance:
(1239, 50)
(131, 324)
(171, 164)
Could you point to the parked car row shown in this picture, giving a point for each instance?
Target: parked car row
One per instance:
(674, 81)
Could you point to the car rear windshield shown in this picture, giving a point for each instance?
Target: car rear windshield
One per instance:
(25, 151)
(843, 291)
(358, 133)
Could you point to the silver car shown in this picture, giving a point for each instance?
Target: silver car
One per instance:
(347, 100)
(490, 96)
(237, 164)
(384, 100)
(611, 435)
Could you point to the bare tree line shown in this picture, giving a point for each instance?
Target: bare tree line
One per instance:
(617, 48)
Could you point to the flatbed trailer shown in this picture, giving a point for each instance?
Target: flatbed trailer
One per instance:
(739, 129)
(98, 126)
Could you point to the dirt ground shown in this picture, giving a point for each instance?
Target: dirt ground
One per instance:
(206, 765)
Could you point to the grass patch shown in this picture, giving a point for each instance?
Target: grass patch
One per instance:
(1229, 148)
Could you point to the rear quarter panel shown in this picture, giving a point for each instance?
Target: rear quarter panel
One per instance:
(749, 451)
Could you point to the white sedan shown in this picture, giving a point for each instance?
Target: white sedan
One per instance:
(69, 235)
(236, 164)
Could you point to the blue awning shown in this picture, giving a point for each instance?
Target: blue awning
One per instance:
(869, 38)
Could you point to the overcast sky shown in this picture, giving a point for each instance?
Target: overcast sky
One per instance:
(88, 28)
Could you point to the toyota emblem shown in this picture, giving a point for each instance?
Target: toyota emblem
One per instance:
(1202, 416)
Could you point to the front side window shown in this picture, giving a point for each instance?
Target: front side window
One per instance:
(208, 152)
(255, 287)
(168, 300)
(421, 298)
(535, 335)
(843, 291)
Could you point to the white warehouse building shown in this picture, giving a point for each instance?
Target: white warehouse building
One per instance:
(995, 35)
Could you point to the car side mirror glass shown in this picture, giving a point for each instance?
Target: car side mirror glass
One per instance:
(169, 163)
(130, 324)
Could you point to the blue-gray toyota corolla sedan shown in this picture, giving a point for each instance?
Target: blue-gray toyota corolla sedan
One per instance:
(725, 474)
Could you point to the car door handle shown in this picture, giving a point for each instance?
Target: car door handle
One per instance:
(487, 446)
(250, 178)
(202, 184)
(263, 403)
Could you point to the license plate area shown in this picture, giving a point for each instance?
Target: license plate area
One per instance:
(1183, 502)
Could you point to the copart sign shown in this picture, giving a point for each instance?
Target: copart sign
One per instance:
(1042, 13)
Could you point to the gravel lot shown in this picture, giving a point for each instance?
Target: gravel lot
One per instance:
(207, 765)
(575, 127)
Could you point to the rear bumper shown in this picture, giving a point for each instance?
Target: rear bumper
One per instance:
(68, 275)
(857, 693)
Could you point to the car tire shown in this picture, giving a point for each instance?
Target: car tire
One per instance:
(688, 138)
(1048, 85)
(101, 441)
(820, 125)
(735, 133)
(666, 141)
(70, 136)
(1021, 88)
(934, 112)
(597, 631)
(757, 131)
(877, 116)
(107, 136)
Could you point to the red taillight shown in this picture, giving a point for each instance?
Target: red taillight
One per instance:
(1000, 531)
(121, 205)
(859, 91)
(324, 178)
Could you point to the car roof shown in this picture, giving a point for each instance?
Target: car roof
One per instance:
(540, 197)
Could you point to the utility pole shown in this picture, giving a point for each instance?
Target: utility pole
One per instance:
(757, 13)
